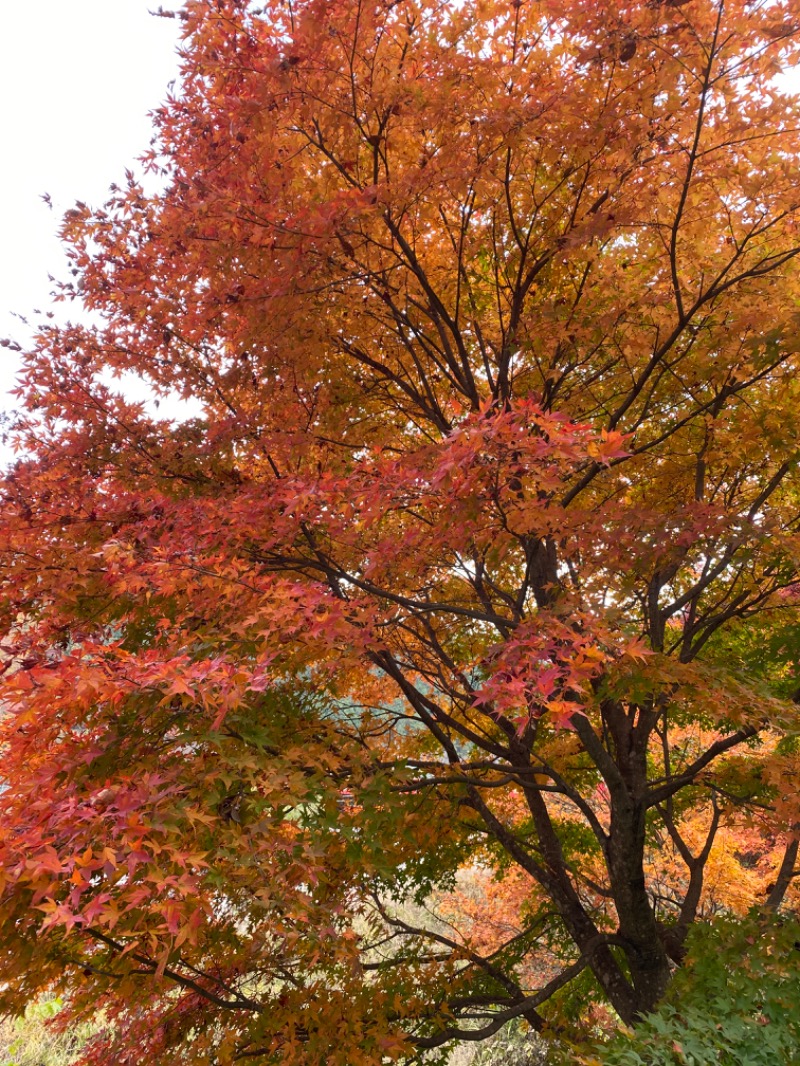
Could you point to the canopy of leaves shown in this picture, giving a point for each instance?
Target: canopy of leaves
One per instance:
(477, 576)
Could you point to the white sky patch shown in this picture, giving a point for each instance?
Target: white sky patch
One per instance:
(77, 80)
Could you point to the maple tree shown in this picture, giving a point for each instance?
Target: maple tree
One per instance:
(482, 553)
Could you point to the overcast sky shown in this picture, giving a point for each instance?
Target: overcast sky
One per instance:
(77, 79)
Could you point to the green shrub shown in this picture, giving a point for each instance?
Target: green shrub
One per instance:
(735, 1003)
(30, 1041)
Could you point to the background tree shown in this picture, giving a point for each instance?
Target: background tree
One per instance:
(491, 312)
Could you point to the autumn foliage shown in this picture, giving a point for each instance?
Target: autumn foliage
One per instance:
(475, 579)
